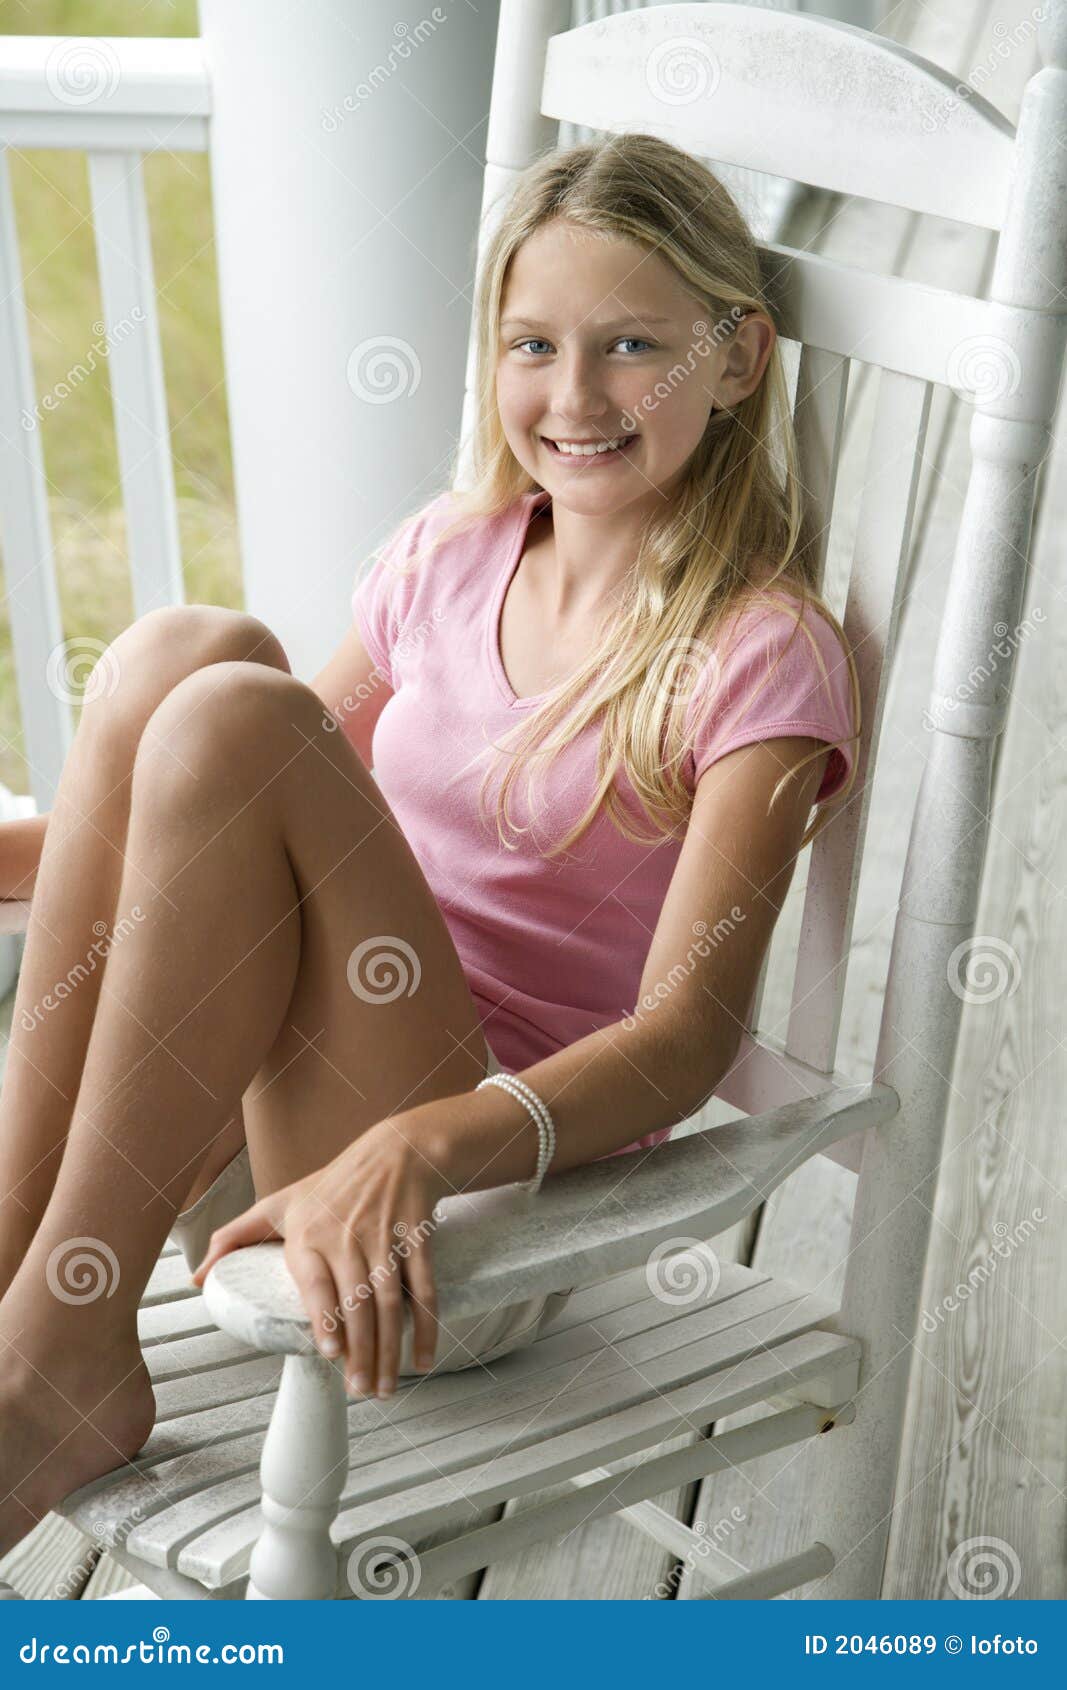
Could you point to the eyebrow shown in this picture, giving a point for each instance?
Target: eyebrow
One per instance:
(618, 323)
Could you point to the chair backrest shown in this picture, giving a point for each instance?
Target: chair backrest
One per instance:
(832, 106)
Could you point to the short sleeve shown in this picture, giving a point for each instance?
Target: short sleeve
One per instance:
(770, 682)
(383, 594)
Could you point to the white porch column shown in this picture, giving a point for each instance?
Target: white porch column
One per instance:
(347, 153)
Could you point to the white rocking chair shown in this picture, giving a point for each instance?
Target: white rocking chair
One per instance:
(623, 1370)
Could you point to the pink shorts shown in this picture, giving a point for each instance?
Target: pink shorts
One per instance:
(468, 1338)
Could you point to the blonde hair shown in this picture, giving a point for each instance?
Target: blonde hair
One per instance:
(695, 556)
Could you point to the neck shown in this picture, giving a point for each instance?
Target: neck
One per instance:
(584, 560)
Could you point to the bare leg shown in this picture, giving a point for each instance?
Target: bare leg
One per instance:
(75, 897)
(262, 854)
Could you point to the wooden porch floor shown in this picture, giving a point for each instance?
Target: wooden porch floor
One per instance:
(984, 1453)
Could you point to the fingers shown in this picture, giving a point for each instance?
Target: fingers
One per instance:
(360, 1322)
(423, 1288)
(254, 1226)
(318, 1293)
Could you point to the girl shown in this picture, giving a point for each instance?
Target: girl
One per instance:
(600, 698)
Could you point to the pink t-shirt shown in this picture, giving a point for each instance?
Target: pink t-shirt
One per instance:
(551, 950)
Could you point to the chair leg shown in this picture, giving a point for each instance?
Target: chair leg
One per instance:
(303, 1468)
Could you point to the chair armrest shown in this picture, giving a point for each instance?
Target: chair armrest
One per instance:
(583, 1225)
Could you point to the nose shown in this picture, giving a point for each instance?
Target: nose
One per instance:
(578, 394)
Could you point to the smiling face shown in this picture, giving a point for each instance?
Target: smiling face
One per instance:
(599, 340)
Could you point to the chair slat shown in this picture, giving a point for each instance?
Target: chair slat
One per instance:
(870, 622)
(569, 1433)
(183, 1317)
(131, 334)
(819, 421)
(169, 1279)
(426, 1408)
(777, 93)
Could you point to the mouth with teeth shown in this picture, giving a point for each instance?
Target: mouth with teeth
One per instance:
(590, 452)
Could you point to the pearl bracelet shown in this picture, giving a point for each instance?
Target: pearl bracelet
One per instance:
(546, 1127)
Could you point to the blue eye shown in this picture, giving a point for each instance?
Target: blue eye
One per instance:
(537, 341)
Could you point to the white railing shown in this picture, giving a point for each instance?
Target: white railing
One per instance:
(116, 100)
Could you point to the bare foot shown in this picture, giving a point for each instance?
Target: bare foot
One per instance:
(63, 1424)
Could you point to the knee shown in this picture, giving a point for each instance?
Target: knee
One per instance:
(232, 720)
(159, 651)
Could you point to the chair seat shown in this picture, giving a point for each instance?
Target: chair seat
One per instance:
(620, 1368)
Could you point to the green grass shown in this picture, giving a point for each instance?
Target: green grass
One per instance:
(52, 208)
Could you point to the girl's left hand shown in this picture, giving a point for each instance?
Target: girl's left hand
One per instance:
(356, 1234)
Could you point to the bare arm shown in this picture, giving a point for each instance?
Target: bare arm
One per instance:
(21, 844)
(355, 689)
(657, 1066)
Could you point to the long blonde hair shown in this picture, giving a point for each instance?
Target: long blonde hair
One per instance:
(695, 556)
